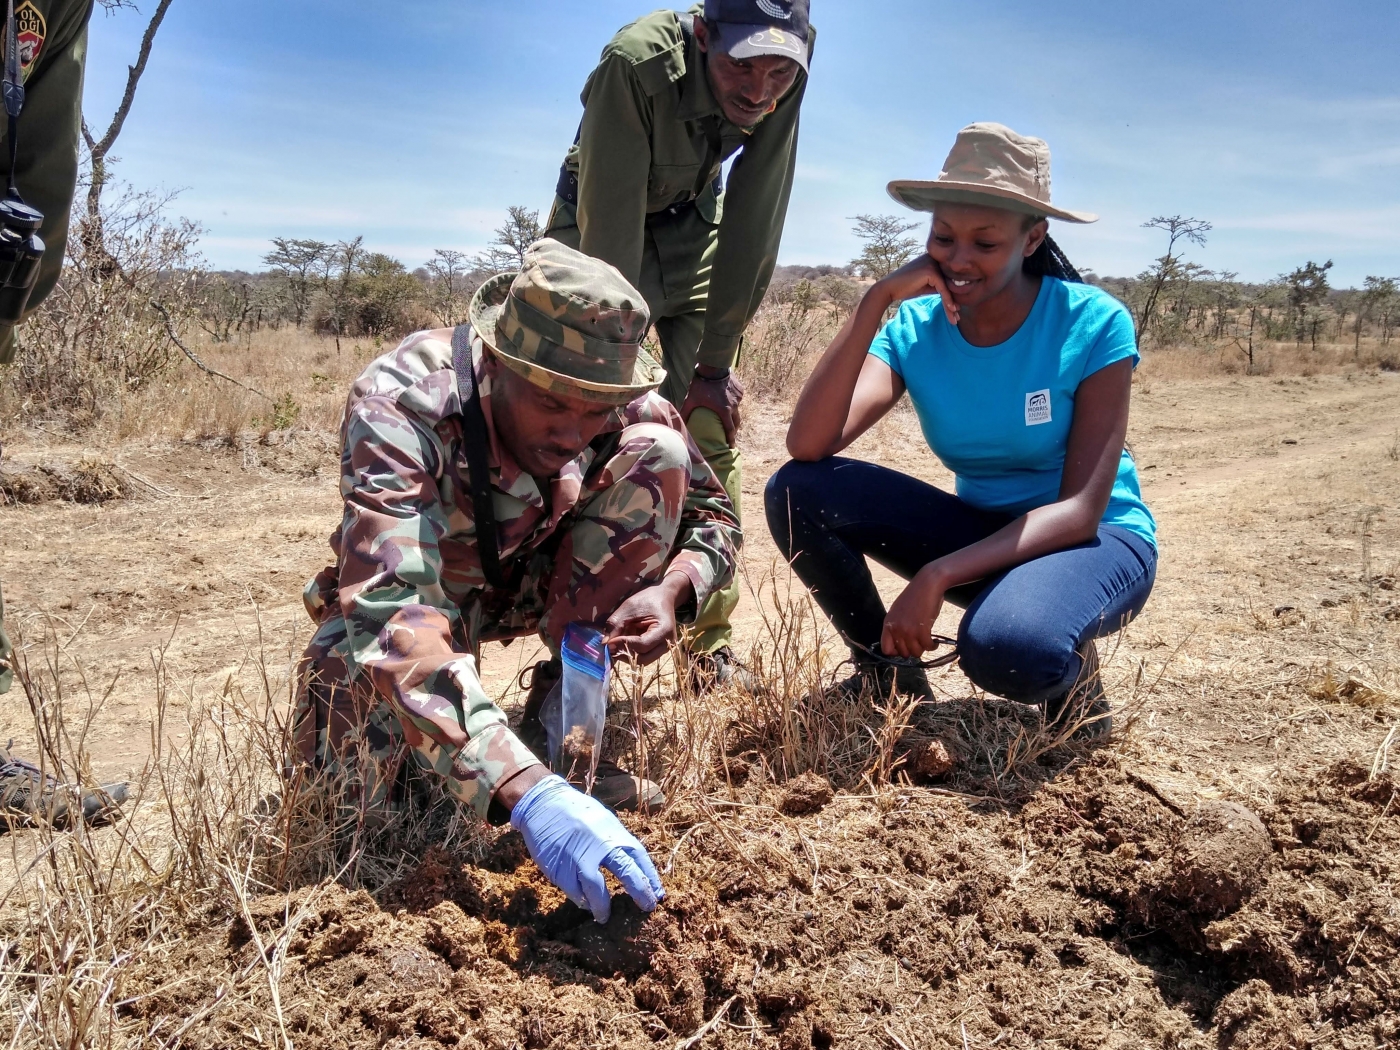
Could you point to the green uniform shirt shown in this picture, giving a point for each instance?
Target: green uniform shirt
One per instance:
(653, 136)
(53, 50)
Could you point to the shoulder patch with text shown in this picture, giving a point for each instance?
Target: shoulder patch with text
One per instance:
(31, 30)
(1037, 407)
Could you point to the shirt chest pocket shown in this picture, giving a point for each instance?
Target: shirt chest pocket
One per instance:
(670, 184)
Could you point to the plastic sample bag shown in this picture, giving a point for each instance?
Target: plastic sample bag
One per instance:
(577, 706)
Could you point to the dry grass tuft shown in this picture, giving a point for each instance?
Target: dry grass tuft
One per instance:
(1336, 687)
(89, 481)
(789, 721)
(215, 820)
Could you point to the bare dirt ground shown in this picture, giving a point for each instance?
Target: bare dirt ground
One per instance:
(1221, 874)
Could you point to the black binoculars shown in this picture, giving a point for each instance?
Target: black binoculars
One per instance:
(21, 251)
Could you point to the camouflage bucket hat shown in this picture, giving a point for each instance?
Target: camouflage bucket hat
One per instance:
(569, 323)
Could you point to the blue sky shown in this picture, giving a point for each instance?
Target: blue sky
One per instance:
(416, 123)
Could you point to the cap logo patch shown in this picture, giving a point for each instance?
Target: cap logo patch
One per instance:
(31, 30)
(776, 38)
(773, 10)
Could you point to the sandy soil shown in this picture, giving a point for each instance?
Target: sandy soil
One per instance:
(1220, 875)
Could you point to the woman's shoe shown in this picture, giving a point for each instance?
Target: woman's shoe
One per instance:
(875, 681)
(1085, 707)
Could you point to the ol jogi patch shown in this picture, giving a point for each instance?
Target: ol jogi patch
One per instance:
(31, 30)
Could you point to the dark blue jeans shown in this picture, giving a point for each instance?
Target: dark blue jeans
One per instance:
(1019, 634)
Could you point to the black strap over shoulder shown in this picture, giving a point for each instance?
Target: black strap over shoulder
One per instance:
(475, 442)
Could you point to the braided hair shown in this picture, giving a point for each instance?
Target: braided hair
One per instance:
(1049, 260)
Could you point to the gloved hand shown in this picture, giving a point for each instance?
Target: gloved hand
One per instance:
(570, 835)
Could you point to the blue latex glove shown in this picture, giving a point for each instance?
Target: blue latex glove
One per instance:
(571, 835)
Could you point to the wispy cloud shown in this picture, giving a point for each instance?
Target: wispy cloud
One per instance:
(418, 124)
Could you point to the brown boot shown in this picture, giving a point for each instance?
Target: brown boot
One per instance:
(613, 786)
(30, 797)
(616, 788)
(543, 677)
(707, 672)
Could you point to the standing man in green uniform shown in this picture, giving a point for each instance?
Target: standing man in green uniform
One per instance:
(673, 97)
(50, 38)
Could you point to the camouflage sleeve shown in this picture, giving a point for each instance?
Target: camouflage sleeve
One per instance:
(401, 625)
(709, 538)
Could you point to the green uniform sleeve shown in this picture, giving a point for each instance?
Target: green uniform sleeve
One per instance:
(47, 167)
(614, 163)
(755, 207)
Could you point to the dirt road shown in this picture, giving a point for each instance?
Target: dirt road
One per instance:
(1269, 493)
(1220, 876)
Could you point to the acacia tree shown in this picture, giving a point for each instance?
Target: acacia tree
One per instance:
(383, 291)
(1170, 266)
(98, 149)
(1375, 301)
(1307, 290)
(451, 280)
(507, 251)
(885, 246)
(338, 269)
(295, 260)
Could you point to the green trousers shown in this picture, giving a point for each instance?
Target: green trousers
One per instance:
(676, 288)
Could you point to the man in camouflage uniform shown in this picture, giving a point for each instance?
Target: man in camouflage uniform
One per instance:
(673, 97)
(604, 510)
(52, 39)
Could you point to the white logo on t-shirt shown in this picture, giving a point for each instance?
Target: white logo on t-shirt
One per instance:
(1037, 407)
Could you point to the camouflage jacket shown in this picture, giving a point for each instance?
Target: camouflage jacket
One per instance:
(407, 577)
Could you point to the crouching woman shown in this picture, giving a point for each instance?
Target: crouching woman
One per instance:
(1020, 375)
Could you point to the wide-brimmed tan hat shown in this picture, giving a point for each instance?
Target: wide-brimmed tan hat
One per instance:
(569, 323)
(990, 165)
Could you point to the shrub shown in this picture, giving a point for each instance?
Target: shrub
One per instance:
(98, 338)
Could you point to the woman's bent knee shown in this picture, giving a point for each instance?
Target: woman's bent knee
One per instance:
(797, 484)
(1027, 663)
(788, 492)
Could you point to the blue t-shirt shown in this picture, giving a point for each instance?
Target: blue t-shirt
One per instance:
(999, 416)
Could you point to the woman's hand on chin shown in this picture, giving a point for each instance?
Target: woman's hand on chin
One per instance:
(918, 277)
(909, 623)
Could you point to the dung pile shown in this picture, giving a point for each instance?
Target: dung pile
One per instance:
(88, 481)
(1107, 911)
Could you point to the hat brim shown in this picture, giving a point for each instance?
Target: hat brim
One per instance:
(485, 310)
(924, 196)
(749, 41)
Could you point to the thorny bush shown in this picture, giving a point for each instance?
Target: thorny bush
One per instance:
(97, 339)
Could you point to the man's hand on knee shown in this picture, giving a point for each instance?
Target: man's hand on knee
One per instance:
(643, 627)
(720, 391)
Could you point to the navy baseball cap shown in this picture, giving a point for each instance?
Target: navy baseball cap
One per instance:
(748, 28)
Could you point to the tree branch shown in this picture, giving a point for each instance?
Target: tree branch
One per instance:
(174, 338)
(133, 76)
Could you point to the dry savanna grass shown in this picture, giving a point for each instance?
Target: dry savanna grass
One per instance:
(881, 873)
